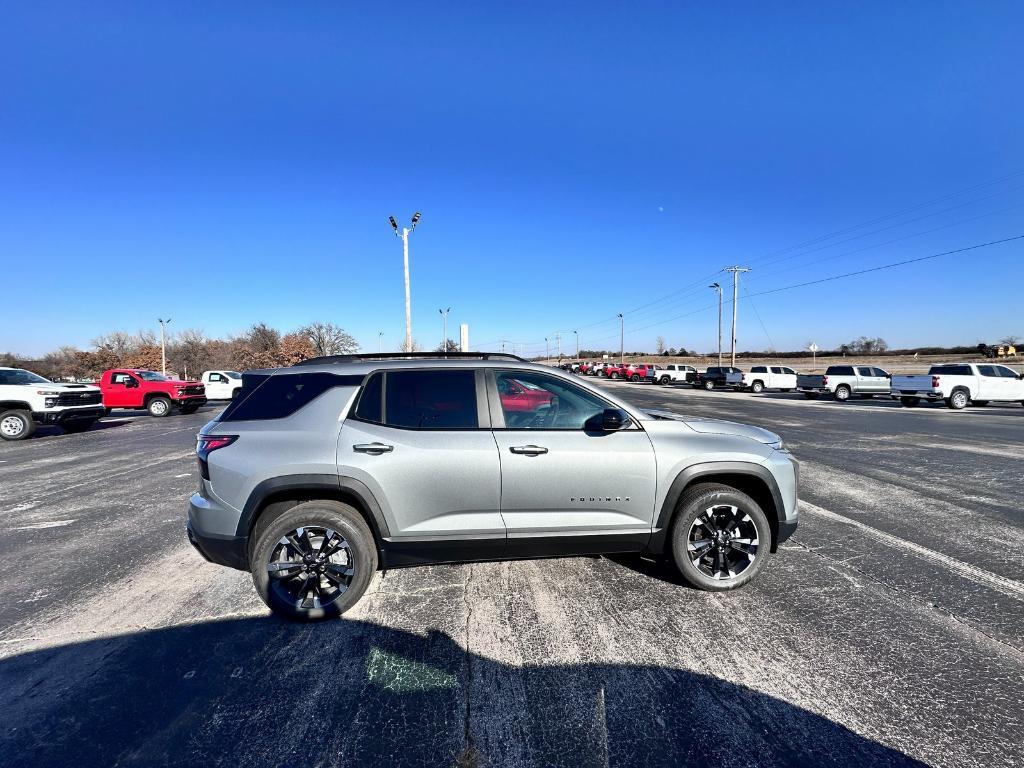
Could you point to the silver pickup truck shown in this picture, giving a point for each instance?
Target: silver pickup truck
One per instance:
(844, 381)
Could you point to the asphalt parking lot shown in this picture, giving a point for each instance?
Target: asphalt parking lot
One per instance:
(888, 631)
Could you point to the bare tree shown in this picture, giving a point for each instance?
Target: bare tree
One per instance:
(1012, 340)
(415, 347)
(329, 339)
(660, 342)
(449, 346)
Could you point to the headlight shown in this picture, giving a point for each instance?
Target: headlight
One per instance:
(50, 402)
(181, 390)
(46, 392)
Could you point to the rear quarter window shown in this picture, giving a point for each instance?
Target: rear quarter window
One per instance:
(839, 370)
(276, 396)
(951, 370)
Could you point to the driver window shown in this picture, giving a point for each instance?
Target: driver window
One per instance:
(537, 401)
(120, 378)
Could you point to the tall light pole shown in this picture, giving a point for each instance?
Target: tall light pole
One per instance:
(547, 349)
(718, 288)
(444, 336)
(404, 234)
(163, 347)
(735, 300)
(577, 344)
(622, 339)
(380, 342)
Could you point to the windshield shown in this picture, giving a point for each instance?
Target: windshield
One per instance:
(151, 376)
(17, 376)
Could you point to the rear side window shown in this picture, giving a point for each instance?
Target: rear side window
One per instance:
(371, 400)
(839, 370)
(951, 370)
(431, 399)
(266, 396)
(988, 370)
(760, 369)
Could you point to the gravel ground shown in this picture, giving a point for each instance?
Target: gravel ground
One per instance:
(888, 631)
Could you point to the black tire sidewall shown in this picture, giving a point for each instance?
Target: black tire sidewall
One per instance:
(149, 407)
(342, 518)
(843, 398)
(26, 417)
(692, 504)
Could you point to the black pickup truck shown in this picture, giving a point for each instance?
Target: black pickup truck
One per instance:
(726, 376)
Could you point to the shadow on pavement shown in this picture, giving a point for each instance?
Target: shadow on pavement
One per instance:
(257, 691)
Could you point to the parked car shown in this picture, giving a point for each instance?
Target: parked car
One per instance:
(960, 385)
(762, 377)
(136, 388)
(28, 400)
(221, 385)
(679, 374)
(643, 372)
(844, 381)
(614, 371)
(319, 474)
(725, 376)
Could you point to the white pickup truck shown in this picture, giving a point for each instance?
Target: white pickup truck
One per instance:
(673, 373)
(221, 385)
(762, 377)
(27, 399)
(960, 385)
(843, 381)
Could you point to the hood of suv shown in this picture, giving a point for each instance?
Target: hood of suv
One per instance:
(66, 387)
(719, 427)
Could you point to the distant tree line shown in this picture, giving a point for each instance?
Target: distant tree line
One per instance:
(190, 351)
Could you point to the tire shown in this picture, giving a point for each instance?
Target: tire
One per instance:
(910, 402)
(614, 375)
(811, 395)
(709, 385)
(355, 560)
(664, 380)
(726, 505)
(159, 407)
(634, 378)
(757, 387)
(235, 391)
(842, 393)
(979, 403)
(16, 425)
(79, 425)
(959, 399)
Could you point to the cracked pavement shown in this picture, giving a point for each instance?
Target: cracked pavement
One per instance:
(888, 631)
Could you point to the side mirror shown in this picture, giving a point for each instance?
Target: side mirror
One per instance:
(609, 420)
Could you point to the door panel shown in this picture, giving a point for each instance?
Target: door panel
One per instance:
(430, 482)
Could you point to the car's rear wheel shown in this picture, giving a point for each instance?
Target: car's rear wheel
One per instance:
(313, 561)
(635, 377)
(16, 425)
(720, 537)
(842, 393)
(958, 400)
(757, 387)
(159, 406)
(78, 425)
(665, 380)
(614, 375)
(709, 385)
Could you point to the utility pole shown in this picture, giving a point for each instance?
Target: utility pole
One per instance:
(718, 287)
(547, 349)
(622, 339)
(163, 347)
(735, 300)
(558, 344)
(577, 344)
(404, 234)
(444, 337)
(380, 342)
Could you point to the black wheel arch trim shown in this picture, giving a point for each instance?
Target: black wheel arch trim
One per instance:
(781, 529)
(332, 486)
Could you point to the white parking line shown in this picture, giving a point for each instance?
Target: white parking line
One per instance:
(38, 526)
(975, 574)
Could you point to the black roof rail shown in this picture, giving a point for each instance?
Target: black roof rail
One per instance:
(411, 356)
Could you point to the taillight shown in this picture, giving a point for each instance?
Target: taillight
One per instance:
(824, 381)
(207, 444)
(935, 382)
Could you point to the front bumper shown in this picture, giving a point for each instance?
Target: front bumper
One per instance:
(67, 414)
(223, 549)
(196, 400)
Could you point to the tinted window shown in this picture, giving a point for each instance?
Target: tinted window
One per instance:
(951, 370)
(371, 400)
(865, 372)
(121, 378)
(266, 396)
(988, 370)
(431, 399)
(538, 401)
(759, 369)
(880, 372)
(839, 370)
(790, 371)
(1007, 373)
(17, 376)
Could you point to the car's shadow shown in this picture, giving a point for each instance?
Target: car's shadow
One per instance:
(258, 691)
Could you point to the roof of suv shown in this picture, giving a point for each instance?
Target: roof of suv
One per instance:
(361, 364)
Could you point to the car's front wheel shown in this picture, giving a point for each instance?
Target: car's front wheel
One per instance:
(16, 425)
(720, 537)
(159, 406)
(664, 380)
(313, 561)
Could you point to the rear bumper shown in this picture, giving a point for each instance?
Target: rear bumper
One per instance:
(67, 414)
(222, 549)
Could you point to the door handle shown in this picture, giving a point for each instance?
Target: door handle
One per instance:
(528, 450)
(374, 449)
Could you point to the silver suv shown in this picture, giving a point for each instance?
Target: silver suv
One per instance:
(317, 475)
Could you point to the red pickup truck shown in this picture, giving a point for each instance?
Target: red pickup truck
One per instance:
(133, 388)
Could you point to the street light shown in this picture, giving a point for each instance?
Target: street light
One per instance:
(622, 339)
(444, 314)
(577, 344)
(380, 342)
(163, 348)
(718, 287)
(404, 234)
(547, 349)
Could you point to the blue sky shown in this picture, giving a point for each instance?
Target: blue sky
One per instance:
(233, 163)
